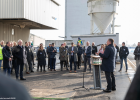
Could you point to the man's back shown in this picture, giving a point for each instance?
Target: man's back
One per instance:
(11, 88)
(108, 58)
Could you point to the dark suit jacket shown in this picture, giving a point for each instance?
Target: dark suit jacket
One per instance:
(80, 51)
(18, 54)
(88, 52)
(52, 54)
(108, 58)
(6, 55)
(124, 52)
(94, 49)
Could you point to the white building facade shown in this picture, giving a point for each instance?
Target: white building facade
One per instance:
(78, 21)
(17, 17)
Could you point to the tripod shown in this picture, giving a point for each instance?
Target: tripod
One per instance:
(83, 84)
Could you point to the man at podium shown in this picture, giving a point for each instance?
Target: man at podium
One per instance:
(108, 65)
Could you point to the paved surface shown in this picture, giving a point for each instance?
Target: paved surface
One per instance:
(60, 84)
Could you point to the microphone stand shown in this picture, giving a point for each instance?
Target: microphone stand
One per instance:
(83, 84)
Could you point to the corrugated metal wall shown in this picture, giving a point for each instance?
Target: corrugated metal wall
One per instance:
(37, 40)
(45, 12)
(6, 33)
(42, 11)
(11, 9)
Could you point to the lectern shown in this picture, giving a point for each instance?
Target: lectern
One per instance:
(96, 64)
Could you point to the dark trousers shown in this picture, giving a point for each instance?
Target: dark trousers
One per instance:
(41, 67)
(7, 70)
(125, 60)
(72, 60)
(79, 61)
(30, 65)
(21, 70)
(14, 65)
(87, 59)
(52, 63)
(61, 63)
(48, 62)
(110, 78)
(33, 60)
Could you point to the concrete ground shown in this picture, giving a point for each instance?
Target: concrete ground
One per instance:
(61, 84)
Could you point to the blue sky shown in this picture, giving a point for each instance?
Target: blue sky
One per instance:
(128, 17)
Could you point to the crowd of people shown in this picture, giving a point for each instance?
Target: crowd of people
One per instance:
(16, 56)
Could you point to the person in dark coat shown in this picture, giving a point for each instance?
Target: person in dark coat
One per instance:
(94, 48)
(41, 55)
(63, 56)
(108, 65)
(48, 55)
(7, 58)
(52, 52)
(79, 53)
(29, 56)
(133, 92)
(137, 55)
(65, 45)
(9, 88)
(124, 52)
(32, 48)
(87, 56)
(19, 53)
(14, 62)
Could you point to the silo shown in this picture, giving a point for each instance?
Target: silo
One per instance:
(102, 13)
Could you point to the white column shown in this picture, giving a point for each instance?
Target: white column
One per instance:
(92, 23)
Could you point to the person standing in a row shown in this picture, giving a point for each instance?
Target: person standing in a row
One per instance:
(52, 52)
(67, 61)
(63, 57)
(124, 52)
(108, 65)
(137, 55)
(29, 57)
(7, 58)
(72, 56)
(19, 54)
(48, 55)
(41, 56)
(87, 56)
(94, 49)
(1, 56)
(79, 53)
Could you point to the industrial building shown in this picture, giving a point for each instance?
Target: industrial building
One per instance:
(18, 17)
(91, 20)
(78, 21)
(36, 40)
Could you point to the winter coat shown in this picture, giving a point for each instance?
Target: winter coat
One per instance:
(88, 51)
(94, 49)
(80, 51)
(124, 52)
(63, 54)
(52, 54)
(41, 55)
(20, 54)
(74, 54)
(137, 53)
(108, 58)
(29, 53)
(6, 55)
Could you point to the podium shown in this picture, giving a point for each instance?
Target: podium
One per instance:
(96, 64)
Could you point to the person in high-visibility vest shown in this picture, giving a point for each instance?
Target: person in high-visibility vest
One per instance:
(80, 41)
(1, 56)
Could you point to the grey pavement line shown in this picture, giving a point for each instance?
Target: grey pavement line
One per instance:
(130, 71)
